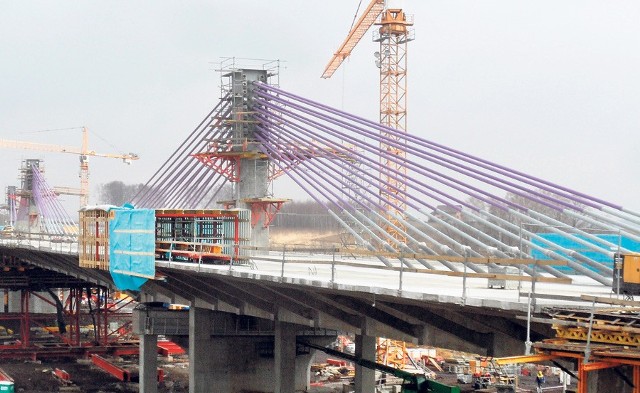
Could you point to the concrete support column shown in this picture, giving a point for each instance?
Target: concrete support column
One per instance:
(14, 301)
(284, 353)
(608, 380)
(5, 300)
(149, 363)
(201, 375)
(303, 372)
(365, 381)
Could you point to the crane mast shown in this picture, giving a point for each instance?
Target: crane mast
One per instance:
(393, 34)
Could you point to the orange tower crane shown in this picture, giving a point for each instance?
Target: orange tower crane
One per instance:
(83, 152)
(393, 34)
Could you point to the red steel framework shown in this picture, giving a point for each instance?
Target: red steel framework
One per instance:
(226, 159)
(268, 207)
(71, 342)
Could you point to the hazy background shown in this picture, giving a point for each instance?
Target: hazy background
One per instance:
(551, 88)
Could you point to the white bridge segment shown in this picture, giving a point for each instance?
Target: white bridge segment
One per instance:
(371, 278)
(315, 270)
(42, 242)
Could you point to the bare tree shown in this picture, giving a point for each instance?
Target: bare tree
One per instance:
(117, 192)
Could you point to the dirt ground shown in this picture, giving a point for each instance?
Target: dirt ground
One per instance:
(37, 377)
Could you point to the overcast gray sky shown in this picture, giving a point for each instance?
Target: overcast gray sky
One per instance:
(551, 88)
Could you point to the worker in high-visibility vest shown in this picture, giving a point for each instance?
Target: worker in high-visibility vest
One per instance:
(540, 378)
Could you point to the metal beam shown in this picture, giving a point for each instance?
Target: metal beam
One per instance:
(535, 358)
(592, 366)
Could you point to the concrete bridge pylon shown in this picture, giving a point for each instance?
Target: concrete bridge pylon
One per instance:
(243, 153)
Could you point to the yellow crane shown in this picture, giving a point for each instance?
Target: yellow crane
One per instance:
(83, 152)
(393, 34)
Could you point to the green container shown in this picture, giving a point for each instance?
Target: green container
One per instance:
(6, 387)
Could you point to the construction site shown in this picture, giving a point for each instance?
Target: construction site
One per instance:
(408, 266)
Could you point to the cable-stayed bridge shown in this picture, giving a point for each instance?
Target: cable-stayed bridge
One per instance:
(454, 204)
(416, 262)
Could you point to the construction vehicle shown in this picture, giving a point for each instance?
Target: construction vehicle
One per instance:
(411, 383)
(626, 274)
(83, 152)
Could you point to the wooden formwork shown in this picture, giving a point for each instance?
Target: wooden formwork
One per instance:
(93, 240)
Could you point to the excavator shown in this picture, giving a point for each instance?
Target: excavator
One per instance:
(411, 383)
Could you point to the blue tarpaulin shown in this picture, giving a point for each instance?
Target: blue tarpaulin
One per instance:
(131, 247)
(573, 245)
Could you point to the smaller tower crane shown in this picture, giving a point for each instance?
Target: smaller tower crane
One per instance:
(83, 152)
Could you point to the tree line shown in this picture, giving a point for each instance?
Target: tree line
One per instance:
(305, 215)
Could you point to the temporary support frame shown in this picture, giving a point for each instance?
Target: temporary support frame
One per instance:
(227, 163)
(601, 362)
(267, 207)
(71, 342)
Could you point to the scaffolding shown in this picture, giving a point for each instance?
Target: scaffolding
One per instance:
(198, 235)
(210, 235)
(93, 241)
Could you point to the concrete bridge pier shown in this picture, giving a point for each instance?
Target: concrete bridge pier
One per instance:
(229, 353)
(149, 363)
(202, 377)
(284, 354)
(365, 379)
(617, 379)
(14, 301)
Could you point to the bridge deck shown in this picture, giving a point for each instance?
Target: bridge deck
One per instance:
(369, 277)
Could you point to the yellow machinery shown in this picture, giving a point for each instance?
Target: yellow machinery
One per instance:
(626, 274)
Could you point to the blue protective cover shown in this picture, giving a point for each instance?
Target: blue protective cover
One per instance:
(132, 247)
(564, 242)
